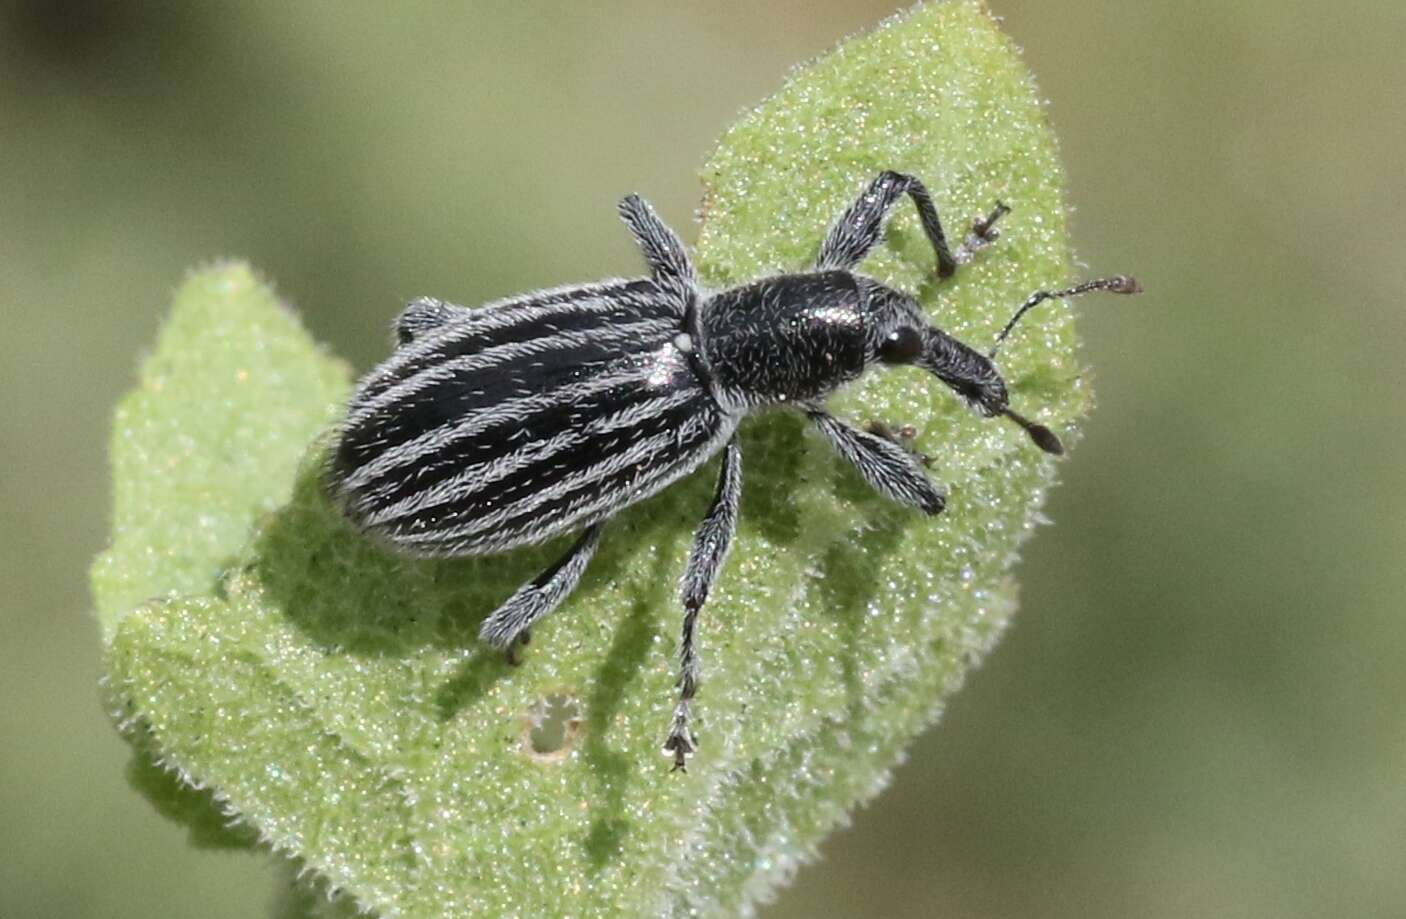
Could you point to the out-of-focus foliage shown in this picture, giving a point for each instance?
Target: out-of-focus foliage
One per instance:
(1196, 711)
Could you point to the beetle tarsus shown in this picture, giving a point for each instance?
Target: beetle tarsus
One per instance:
(681, 743)
(983, 233)
(512, 653)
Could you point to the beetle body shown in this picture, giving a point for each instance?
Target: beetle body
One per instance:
(789, 338)
(510, 424)
(548, 413)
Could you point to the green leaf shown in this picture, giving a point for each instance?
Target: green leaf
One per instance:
(211, 438)
(333, 695)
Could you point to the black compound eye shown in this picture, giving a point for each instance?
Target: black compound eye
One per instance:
(902, 346)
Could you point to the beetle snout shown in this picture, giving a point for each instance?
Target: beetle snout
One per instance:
(991, 395)
(988, 393)
(968, 373)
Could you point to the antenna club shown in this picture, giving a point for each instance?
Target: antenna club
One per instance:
(1045, 439)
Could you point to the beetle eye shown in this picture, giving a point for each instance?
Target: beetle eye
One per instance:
(902, 346)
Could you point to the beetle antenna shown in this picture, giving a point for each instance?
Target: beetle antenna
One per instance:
(1044, 438)
(1118, 284)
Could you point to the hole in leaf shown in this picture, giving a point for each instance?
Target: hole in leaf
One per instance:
(552, 727)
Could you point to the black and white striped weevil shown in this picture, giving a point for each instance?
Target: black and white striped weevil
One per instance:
(549, 412)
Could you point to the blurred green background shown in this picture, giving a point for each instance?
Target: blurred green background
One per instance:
(1202, 707)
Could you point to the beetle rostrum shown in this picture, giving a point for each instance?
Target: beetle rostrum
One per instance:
(548, 413)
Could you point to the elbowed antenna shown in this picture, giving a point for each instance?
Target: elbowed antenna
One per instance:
(1118, 284)
(1043, 437)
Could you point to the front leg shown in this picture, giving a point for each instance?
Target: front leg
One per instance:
(888, 468)
(705, 560)
(858, 230)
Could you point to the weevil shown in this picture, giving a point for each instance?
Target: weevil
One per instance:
(548, 413)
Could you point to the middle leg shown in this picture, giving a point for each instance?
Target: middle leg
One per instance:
(667, 258)
(888, 468)
(705, 560)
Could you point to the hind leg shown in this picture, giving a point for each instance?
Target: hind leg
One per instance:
(539, 598)
(421, 315)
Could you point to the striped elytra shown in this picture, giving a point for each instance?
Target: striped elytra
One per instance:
(525, 418)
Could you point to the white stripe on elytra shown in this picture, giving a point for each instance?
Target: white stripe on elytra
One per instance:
(636, 370)
(496, 355)
(591, 507)
(580, 299)
(639, 451)
(474, 479)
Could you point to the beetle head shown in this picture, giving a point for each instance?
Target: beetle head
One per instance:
(900, 334)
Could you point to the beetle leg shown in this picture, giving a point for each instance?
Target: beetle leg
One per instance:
(983, 233)
(668, 260)
(421, 315)
(539, 597)
(886, 466)
(858, 230)
(705, 560)
(511, 653)
(905, 435)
